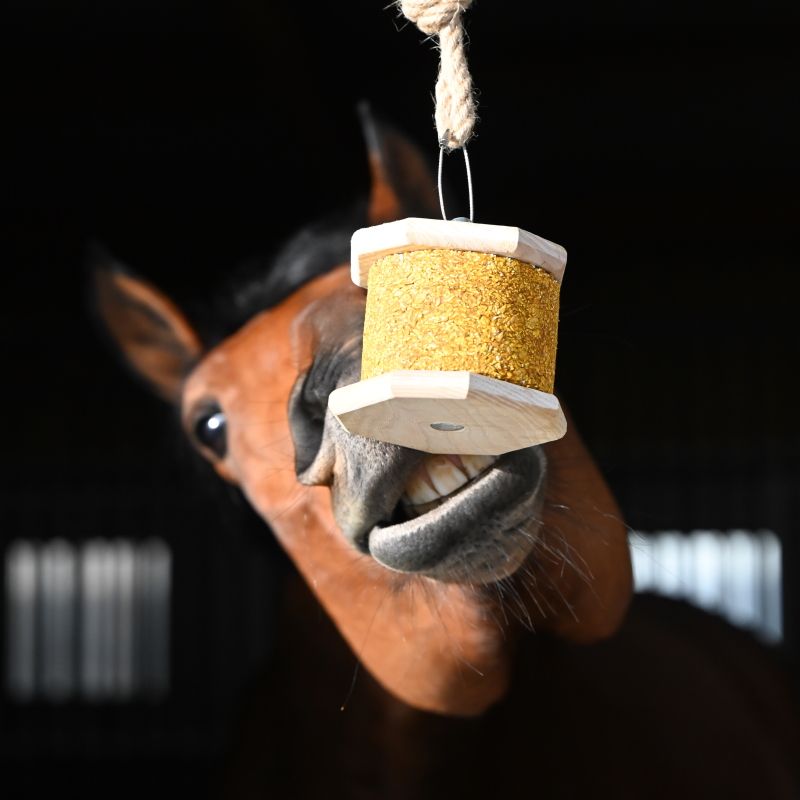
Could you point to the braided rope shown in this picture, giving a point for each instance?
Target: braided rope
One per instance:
(455, 102)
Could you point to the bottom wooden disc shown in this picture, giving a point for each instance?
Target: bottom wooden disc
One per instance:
(448, 412)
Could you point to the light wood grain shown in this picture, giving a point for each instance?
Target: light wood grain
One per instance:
(400, 407)
(370, 244)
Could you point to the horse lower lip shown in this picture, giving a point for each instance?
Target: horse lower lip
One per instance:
(426, 544)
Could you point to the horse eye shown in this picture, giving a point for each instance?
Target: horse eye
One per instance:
(210, 430)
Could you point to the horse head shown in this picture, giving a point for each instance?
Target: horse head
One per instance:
(430, 566)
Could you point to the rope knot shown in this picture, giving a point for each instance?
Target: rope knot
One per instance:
(430, 16)
(455, 103)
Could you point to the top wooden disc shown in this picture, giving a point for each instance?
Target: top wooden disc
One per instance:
(370, 244)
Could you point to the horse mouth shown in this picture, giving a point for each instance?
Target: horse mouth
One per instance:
(464, 518)
(439, 478)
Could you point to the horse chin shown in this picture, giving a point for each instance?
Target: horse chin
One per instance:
(480, 534)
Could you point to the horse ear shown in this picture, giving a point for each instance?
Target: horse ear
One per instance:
(155, 338)
(402, 182)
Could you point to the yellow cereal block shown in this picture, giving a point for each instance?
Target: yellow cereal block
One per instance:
(443, 309)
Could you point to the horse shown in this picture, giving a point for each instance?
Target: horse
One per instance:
(501, 648)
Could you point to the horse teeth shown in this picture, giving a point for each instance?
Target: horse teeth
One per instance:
(440, 475)
(419, 491)
(445, 476)
(474, 465)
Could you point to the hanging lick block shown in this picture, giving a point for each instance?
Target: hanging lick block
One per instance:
(480, 312)
(459, 337)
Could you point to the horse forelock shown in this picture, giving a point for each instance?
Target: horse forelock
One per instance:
(264, 281)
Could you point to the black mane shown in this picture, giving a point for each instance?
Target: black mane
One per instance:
(264, 281)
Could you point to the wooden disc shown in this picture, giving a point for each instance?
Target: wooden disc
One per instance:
(370, 244)
(448, 412)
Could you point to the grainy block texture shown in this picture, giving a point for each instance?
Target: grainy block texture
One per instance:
(462, 310)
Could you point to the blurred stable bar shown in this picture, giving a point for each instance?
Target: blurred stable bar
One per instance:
(91, 620)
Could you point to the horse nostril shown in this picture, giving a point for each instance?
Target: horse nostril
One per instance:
(306, 425)
(306, 447)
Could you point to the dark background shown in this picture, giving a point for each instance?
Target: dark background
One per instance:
(656, 141)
